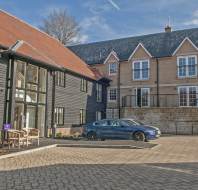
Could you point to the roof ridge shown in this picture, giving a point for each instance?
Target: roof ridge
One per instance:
(135, 36)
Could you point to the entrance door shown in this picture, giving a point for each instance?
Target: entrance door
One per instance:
(19, 116)
(30, 116)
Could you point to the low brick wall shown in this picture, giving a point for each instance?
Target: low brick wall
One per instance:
(169, 120)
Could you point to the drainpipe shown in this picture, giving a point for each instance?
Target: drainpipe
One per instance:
(118, 91)
(53, 105)
(158, 103)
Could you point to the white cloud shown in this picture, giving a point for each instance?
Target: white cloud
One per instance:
(193, 21)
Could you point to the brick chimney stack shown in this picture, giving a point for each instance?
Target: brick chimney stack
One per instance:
(168, 28)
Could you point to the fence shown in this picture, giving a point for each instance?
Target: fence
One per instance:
(161, 100)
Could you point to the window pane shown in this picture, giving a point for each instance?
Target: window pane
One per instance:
(31, 97)
(113, 68)
(42, 98)
(112, 94)
(183, 96)
(32, 87)
(191, 66)
(32, 74)
(192, 96)
(182, 67)
(20, 94)
(42, 80)
(136, 74)
(20, 75)
(145, 97)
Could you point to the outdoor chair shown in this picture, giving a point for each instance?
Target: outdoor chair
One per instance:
(16, 137)
(31, 134)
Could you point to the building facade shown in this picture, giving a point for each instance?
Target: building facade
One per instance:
(153, 78)
(43, 84)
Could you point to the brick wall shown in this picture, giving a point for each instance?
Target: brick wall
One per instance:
(169, 120)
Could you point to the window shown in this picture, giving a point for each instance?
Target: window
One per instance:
(112, 113)
(59, 116)
(82, 116)
(60, 79)
(112, 94)
(113, 68)
(99, 92)
(187, 66)
(141, 70)
(83, 85)
(142, 97)
(188, 96)
(98, 115)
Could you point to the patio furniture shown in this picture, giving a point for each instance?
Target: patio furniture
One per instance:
(31, 134)
(16, 137)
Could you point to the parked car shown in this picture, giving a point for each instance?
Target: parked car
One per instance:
(119, 129)
(136, 122)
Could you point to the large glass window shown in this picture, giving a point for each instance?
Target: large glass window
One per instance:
(188, 96)
(20, 75)
(187, 66)
(141, 70)
(32, 74)
(42, 80)
(30, 96)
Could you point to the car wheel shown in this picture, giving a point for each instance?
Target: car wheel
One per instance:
(139, 136)
(91, 136)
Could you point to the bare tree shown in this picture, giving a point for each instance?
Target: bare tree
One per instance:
(62, 26)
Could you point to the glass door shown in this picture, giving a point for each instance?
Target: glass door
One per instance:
(19, 116)
(30, 116)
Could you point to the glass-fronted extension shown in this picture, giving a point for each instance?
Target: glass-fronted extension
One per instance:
(26, 96)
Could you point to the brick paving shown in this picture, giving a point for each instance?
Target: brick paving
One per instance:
(173, 164)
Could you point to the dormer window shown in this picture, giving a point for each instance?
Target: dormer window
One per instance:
(113, 67)
(187, 66)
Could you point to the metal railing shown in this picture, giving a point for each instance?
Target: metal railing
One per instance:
(161, 100)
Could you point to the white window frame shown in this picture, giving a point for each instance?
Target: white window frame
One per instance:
(98, 114)
(141, 96)
(110, 74)
(187, 71)
(109, 100)
(187, 87)
(133, 69)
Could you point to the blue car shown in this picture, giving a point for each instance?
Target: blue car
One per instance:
(119, 129)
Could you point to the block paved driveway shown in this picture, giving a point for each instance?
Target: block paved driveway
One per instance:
(173, 164)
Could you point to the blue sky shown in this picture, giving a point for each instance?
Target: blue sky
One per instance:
(109, 19)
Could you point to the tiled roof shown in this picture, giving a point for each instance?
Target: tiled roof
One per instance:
(159, 45)
(39, 46)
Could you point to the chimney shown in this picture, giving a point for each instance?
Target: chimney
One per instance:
(168, 28)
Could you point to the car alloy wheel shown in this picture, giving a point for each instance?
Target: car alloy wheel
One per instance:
(91, 136)
(139, 136)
